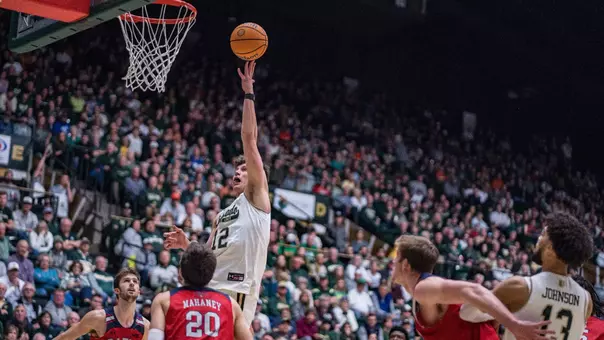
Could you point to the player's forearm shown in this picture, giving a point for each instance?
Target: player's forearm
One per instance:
(249, 127)
(484, 300)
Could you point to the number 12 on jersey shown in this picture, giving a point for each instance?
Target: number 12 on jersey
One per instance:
(220, 239)
(198, 324)
(562, 313)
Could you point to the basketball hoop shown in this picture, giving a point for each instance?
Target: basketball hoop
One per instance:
(154, 42)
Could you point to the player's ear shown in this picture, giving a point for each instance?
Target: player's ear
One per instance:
(116, 291)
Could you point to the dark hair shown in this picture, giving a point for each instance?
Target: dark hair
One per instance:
(123, 273)
(197, 265)
(75, 263)
(241, 160)
(597, 309)
(398, 329)
(42, 315)
(419, 252)
(570, 239)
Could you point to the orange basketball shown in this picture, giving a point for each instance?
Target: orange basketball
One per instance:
(249, 41)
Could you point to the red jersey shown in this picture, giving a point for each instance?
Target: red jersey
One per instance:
(594, 330)
(115, 331)
(451, 323)
(199, 314)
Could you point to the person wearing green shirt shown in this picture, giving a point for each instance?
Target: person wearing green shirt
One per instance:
(153, 196)
(279, 301)
(122, 171)
(152, 236)
(323, 288)
(104, 279)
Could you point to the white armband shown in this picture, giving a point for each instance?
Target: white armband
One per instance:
(472, 314)
(156, 334)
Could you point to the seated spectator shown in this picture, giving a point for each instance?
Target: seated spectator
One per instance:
(57, 308)
(72, 319)
(25, 219)
(77, 283)
(14, 285)
(58, 258)
(45, 278)
(165, 275)
(279, 301)
(359, 241)
(6, 247)
(153, 236)
(383, 301)
(51, 221)
(26, 267)
(32, 308)
(371, 327)
(354, 269)
(96, 303)
(103, 279)
(360, 300)
(265, 323)
(70, 239)
(19, 320)
(283, 331)
(307, 328)
(6, 214)
(196, 222)
(12, 332)
(173, 206)
(82, 255)
(134, 186)
(41, 239)
(6, 308)
(302, 305)
(148, 261)
(45, 326)
(345, 316)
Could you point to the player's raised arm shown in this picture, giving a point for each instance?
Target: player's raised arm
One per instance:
(91, 321)
(158, 316)
(437, 291)
(242, 330)
(257, 187)
(147, 326)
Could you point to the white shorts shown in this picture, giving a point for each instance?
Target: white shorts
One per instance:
(247, 302)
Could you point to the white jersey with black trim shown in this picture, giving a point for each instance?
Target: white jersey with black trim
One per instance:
(557, 298)
(240, 244)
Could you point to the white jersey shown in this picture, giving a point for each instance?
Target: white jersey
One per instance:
(559, 299)
(240, 244)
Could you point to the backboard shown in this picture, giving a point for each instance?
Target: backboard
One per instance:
(28, 32)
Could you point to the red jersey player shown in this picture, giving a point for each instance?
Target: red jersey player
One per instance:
(119, 322)
(436, 301)
(594, 330)
(195, 311)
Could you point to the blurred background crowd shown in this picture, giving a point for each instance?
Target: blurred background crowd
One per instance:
(110, 170)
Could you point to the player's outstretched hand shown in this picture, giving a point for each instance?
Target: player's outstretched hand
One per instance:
(525, 330)
(176, 239)
(247, 76)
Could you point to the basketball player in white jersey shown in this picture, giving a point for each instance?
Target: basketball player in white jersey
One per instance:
(241, 232)
(552, 294)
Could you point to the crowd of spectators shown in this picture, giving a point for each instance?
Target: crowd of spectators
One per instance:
(167, 160)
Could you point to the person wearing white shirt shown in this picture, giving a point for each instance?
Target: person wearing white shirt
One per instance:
(265, 322)
(360, 301)
(40, 239)
(25, 219)
(196, 222)
(173, 206)
(354, 267)
(344, 314)
(136, 143)
(499, 218)
(14, 285)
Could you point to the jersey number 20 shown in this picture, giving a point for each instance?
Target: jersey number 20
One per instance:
(198, 324)
(220, 238)
(562, 313)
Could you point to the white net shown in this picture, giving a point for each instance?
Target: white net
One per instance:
(154, 42)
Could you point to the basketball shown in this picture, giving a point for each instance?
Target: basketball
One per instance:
(249, 41)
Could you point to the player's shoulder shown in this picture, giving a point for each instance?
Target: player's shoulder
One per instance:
(99, 314)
